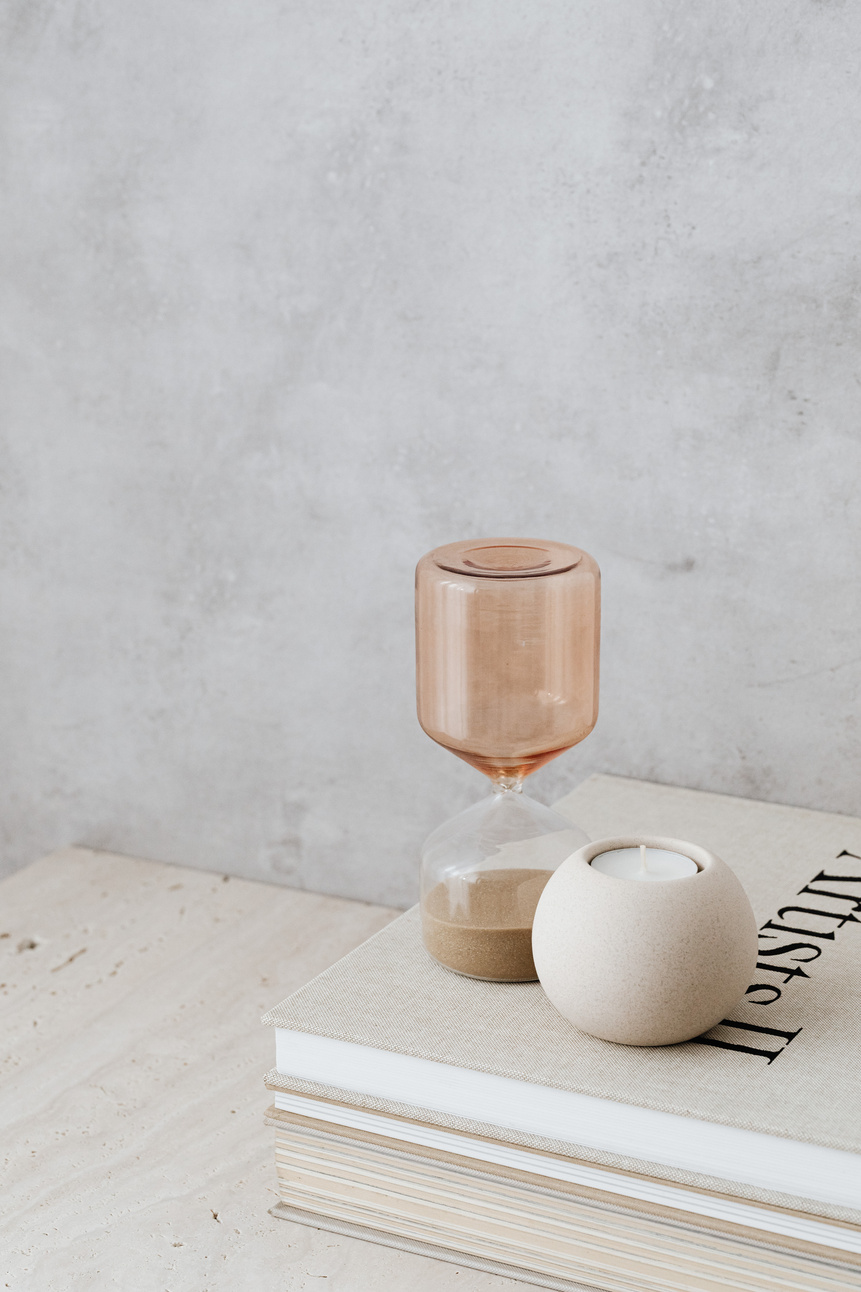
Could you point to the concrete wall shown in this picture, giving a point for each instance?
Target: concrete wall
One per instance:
(293, 292)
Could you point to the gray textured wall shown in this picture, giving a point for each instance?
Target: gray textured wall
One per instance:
(293, 292)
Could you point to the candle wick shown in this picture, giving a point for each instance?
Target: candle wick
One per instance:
(643, 865)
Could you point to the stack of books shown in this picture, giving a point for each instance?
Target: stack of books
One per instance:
(469, 1121)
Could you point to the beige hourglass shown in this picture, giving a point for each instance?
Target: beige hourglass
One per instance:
(507, 635)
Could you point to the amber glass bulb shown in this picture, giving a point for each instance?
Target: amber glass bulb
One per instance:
(507, 634)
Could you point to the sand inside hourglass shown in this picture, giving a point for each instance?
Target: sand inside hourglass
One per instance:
(481, 925)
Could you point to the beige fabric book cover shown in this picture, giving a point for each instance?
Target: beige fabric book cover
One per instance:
(785, 1063)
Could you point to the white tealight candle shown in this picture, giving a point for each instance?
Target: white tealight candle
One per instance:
(650, 864)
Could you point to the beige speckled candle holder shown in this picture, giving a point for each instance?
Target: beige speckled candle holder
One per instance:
(644, 963)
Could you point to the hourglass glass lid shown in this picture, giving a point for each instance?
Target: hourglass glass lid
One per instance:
(506, 558)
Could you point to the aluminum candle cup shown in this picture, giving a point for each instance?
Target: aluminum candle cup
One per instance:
(639, 963)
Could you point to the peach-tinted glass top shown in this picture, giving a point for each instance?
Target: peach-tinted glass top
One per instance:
(507, 634)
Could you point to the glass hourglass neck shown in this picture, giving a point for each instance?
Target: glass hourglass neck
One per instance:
(507, 784)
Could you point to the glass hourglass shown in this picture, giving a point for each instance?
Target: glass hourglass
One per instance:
(507, 635)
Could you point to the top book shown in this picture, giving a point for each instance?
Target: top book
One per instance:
(783, 1067)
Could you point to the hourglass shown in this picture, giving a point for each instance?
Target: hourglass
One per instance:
(507, 633)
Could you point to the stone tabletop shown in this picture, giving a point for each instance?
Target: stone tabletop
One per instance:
(131, 1095)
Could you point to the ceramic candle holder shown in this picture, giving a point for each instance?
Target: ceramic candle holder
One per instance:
(644, 963)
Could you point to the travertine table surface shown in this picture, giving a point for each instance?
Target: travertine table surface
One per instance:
(132, 1101)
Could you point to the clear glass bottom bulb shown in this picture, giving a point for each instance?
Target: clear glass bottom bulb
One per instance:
(482, 874)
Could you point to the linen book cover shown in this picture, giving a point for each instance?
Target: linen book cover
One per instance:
(784, 1063)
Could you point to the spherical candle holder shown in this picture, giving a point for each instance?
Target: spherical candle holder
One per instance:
(644, 941)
